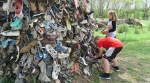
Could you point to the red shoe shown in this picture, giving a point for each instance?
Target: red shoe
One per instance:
(18, 6)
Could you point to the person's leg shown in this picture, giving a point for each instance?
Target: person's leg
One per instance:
(115, 62)
(106, 65)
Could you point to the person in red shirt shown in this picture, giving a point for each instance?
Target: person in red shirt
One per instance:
(113, 46)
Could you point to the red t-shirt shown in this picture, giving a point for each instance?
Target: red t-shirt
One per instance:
(109, 42)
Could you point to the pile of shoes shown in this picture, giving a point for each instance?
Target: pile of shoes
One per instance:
(45, 40)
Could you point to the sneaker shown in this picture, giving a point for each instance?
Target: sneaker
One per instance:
(17, 24)
(21, 76)
(11, 49)
(63, 55)
(116, 68)
(18, 53)
(105, 76)
(86, 71)
(82, 61)
(8, 42)
(6, 5)
(10, 33)
(51, 51)
(43, 76)
(60, 48)
(56, 70)
(72, 41)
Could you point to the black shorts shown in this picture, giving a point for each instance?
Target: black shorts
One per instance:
(111, 53)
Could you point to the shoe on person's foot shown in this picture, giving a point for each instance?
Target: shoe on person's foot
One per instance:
(116, 68)
(105, 76)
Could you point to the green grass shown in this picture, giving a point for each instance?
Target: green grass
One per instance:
(134, 64)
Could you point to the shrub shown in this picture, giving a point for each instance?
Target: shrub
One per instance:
(148, 27)
(123, 28)
(137, 31)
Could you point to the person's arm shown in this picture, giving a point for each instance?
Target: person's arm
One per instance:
(101, 50)
(108, 26)
(113, 27)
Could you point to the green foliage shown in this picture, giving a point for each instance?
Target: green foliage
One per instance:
(123, 28)
(137, 31)
(148, 28)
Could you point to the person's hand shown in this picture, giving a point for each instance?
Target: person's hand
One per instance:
(104, 32)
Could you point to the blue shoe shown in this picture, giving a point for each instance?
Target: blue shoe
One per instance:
(17, 24)
(105, 76)
(51, 26)
(7, 42)
(59, 47)
(42, 55)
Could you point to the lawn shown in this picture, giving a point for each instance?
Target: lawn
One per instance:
(134, 63)
(134, 59)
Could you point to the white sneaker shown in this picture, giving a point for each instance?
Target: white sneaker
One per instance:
(18, 53)
(82, 61)
(6, 6)
(10, 33)
(69, 50)
(63, 55)
(21, 76)
(43, 76)
(84, 22)
(51, 51)
(16, 69)
(56, 70)
(86, 71)
(72, 41)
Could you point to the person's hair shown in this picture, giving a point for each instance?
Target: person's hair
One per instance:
(96, 38)
(114, 15)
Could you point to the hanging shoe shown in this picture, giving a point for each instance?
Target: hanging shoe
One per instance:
(72, 41)
(49, 69)
(60, 48)
(63, 55)
(23, 60)
(18, 54)
(39, 56)
(8, 42)
(11, 49)
(86, 71)
(17, 24)
(43, 77)
(6, 5)
(10, 33)
(51, 50)
(56, 70)
(82, 61)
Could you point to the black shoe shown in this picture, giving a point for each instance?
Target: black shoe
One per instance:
(116, 68)
(105, 76)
